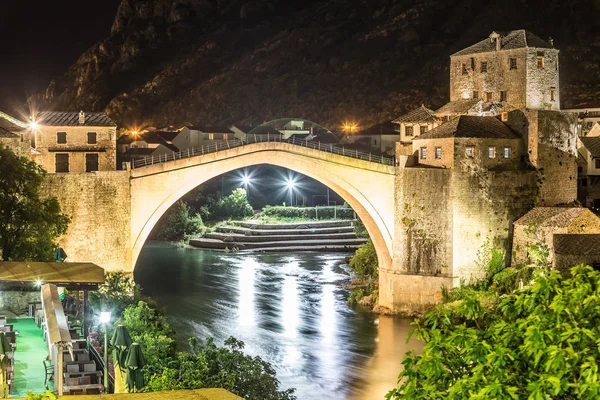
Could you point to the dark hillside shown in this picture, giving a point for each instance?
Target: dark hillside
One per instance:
(240, 61)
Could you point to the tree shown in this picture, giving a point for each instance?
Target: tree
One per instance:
(364, 261)
(29, 224)
(178, 223)
(540, 342)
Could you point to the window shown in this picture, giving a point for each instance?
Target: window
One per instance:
(547, 106)
(422, 129)
(473, 64)
(408, 131)
(483, 66)
(504, 116)
(91, 162)
(475, 94)
(61, 162)
(464, 69)
(423, 153)
(438, 153)
(589, 124)
(488, 96)
(552, 94)
(374, 142)
(503, 96)
(513, 63)
(597, 163)
(507, 152)
(91, 137)
(491, 152)
(61, 138)
(540, 60)
(211, 136)
(469, 151)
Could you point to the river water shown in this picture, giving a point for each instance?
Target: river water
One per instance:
(290, 309)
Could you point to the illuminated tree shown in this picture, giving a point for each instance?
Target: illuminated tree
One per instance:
(29, 224)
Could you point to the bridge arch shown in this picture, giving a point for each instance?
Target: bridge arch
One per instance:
(367, 187)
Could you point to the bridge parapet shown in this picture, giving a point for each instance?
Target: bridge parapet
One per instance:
(253, 139)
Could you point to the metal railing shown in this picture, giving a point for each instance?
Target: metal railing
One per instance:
(97, 358)
(251, 139)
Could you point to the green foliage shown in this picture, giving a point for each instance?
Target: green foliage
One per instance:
(306, 213)
(29, 224)
(364, 262)
(234, 206)
(360, 230)
(537, 343)
(356, 296)
(226, 367)
(179, 223)
(117, 292)
(491, 259)
(47, 395)
(150, 329)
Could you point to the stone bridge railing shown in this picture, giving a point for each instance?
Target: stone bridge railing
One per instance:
(229, 144)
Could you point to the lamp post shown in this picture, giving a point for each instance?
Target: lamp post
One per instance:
(104, 320)
(290, 186)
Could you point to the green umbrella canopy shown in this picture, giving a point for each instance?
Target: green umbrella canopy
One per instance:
(4, 348)
(121, 342)
(134, 362)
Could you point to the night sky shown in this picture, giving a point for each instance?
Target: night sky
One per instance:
(40, 39)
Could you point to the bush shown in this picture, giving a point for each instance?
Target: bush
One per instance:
(538, 343)
(222, 367)
(360, 230)
(117, 292)
(364, 262)
(234, 206)
(178, 223)
(307, 213)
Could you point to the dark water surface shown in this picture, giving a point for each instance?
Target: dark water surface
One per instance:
(289, 309)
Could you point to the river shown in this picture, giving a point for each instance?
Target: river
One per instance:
(289, 308)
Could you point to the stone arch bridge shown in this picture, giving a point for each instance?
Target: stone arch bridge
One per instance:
(113, 212)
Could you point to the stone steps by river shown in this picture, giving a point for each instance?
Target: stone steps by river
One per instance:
(253, 236)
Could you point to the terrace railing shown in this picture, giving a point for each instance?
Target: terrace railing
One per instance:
(251, 139)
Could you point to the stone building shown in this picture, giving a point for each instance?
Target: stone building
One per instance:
(413, 124)
(588, 191)
(542, 224)
(74, 142)
(145, 144)
(588, 117)
(484, 142)
(516, 68)
(12, 135)
(197, 136)
(381, 138)
(571, 250)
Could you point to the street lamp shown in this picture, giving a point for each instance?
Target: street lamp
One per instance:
(104, 320)
(290, 184)
(246, 180)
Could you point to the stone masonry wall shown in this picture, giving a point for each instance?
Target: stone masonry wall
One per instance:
(485, 205)
(499, 76)
(540, 81)
(99, 206)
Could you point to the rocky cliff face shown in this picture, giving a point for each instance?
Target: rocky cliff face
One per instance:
(248, 61)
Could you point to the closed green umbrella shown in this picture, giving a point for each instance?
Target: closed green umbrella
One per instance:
(134, 362)
(121, 342)
(4, 350)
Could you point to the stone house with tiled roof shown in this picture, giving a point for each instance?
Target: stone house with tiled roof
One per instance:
(571, 250)
(74, 141)
(516, 68)
(137, 146)
(415, 123)
(541, 224)
(12, 135)
(482, 141)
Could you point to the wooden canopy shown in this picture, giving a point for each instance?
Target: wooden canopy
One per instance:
(74, 276)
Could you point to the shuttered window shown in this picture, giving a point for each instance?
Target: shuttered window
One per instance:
(61, 162)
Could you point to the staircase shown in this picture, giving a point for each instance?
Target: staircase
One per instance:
(253, 236)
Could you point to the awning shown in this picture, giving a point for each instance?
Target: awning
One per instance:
(74, 276)
(58, 328)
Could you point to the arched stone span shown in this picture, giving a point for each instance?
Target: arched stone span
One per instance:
(368, 187)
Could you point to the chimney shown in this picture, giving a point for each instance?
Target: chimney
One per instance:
(498, 42)
(81, 118)
(551, 41)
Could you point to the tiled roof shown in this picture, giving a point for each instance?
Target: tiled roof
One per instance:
(9, 124)
(509, 40)
(210, 129)
(158, 137)
(592, 143)
(559, 217)
(421, 114)
(387, 128)
(6, 134)
(457, 107)
(469, 126)
(576, 244)
(58, 118)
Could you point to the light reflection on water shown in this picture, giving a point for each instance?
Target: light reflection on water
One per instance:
(289, 309)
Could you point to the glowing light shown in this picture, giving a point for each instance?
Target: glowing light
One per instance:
(134, 133)
(349, 127)
(38, 282)
(33, 125)
(105, 317)
(290, 184)
(246, 180)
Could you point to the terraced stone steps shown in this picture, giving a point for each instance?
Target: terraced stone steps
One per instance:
(248, 236)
